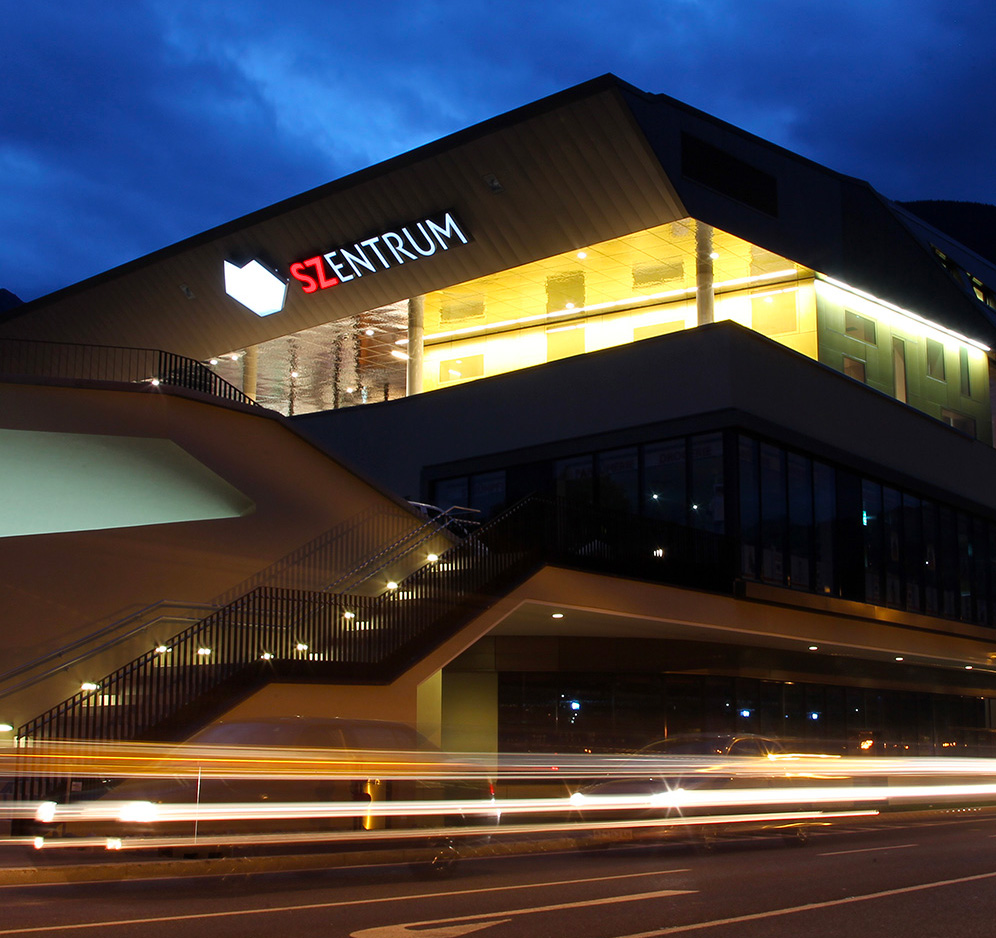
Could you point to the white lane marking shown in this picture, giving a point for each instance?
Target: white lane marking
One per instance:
(342, 903)
(808, 907)
(486, 919)
(840, 853)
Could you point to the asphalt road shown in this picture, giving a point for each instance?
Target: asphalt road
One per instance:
(934, 879)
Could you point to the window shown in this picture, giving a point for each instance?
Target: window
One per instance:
(966, 377)
(774, 512)
(618, 480)
(854, 368)
(935, 359)
(775, 315)
(450, 492)
(859, 327)
(664, 494)
(959, 421)
(728, 174)
(487, 492)
(750, 506)
(899, 369)
(575, 479)
(707, 507)
(564, 341)
(456, 369)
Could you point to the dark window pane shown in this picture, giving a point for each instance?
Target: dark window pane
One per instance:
(948, 562)
(750, 507)
(707, 507)
(574, 479)
(914, 559)
(931, 552)
(825, 516)
(871, 520)
(664, 492)
(773, 514)
(487, 492)
(450, 492)
(892, 529)
(618, 480)
(800, 502)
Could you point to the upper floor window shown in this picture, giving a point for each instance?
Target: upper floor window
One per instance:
(935, 359)
(859, 327)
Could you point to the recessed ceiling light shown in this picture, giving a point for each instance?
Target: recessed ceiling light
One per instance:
(813, 647)
(557, 615)
(582, 255)
(369, 332)
(899, 658)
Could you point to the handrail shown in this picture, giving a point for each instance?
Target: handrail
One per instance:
(393, 552)
(94, 636)
(291, 562)
(163, 692)
(65, 665)
(37, 358)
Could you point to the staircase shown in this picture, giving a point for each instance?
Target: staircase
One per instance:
(274, 633)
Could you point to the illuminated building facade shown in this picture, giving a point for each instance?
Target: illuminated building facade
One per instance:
(764, 387)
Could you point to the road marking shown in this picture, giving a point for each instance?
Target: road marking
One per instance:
(342, 903)
(809, 907)
(481, 920)
(840, 853)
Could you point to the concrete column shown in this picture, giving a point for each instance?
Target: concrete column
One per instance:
(416, 343)
(703, 273)
(250, 371)
(470, 711)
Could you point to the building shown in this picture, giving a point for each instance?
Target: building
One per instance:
(722, 414)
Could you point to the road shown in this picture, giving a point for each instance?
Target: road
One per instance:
(913, 880)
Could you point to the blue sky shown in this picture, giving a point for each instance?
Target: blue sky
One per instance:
(127, 126)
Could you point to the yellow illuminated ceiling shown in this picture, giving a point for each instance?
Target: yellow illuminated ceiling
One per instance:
(350, 361)
(631, 269)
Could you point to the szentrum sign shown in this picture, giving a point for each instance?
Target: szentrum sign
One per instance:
(389, 249)
(264, 292)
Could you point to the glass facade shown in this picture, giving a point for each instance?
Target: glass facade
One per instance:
(859, 538)
(612, 293)
(799, 521)
(574, 712)
(620, 291)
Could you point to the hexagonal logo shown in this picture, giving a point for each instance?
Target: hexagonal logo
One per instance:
(255, 287)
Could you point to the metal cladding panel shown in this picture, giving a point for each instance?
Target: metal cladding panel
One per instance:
(572, 175)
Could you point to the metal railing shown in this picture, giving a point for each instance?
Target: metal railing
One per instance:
(315, 635)
(29, 359)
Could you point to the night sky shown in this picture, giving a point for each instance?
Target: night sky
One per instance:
(127, 125)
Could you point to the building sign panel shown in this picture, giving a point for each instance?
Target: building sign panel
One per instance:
(388, 249)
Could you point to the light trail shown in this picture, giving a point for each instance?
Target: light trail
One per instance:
(454, 795)
(149, 760)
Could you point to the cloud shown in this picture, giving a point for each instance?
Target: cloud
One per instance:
(127, 126)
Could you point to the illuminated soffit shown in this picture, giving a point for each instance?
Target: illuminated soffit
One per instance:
(82, 482)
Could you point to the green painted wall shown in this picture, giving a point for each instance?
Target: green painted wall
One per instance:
(925, 392)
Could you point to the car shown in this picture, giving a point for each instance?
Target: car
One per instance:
(655, 795)
(256, 783)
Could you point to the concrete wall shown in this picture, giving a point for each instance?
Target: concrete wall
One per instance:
(721, 369)
(61, 587)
